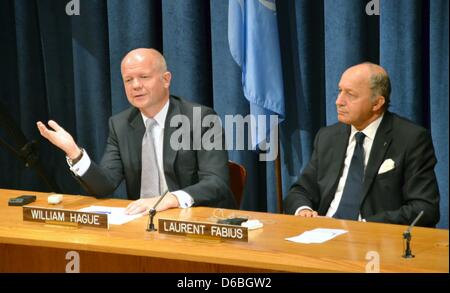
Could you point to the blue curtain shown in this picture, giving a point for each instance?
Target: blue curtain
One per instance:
(67, 68)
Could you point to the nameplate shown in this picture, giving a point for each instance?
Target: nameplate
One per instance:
(56, 216)
(210, 230)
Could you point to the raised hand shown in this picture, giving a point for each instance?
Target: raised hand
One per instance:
(60, 138)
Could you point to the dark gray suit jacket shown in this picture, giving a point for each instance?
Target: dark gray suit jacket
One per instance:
(394, 197)
(203, 174)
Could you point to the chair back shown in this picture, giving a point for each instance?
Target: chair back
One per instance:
(238, 176)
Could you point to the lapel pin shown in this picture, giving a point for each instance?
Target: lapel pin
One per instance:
(385, 143)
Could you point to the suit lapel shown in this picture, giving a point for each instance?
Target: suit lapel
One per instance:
(169, 154)
(339, 150)
(339, 147)
(135, 142)
(380, 145)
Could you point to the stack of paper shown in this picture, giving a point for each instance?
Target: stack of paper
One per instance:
(318, 235)
(116, 216)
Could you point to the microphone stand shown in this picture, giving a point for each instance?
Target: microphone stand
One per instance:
(152, 213)
(27, 151)
(407, 237)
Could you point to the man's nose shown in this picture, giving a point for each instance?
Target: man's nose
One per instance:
(136, 83)
(340, 100)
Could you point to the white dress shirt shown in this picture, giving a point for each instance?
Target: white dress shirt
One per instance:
(184, 199)
(370, 132)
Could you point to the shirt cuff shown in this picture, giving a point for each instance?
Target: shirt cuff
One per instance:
(184, 199)
(302, 208)
(81, 166)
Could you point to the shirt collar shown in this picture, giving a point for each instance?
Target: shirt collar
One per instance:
(160, 117)
(370, 130)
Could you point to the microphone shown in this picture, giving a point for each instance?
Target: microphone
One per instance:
(8, 123)
(407, 237)
(25, 150)
(414, 222)
(152, 213)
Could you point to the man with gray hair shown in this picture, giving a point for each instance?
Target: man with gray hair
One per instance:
(138, 148)
(371, 166)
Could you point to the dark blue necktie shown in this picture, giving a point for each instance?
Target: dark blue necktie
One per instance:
(351, 197)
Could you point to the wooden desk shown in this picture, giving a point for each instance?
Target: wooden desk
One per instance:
(35, 247)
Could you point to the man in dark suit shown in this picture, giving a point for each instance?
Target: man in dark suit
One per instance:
(371, 166)
(143, 147)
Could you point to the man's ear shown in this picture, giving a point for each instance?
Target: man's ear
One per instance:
(167, 77)
(379, 103)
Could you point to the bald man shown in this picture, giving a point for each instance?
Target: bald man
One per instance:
(372, 165)
(192, 177)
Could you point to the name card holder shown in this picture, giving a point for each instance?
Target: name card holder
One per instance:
(65, 217)
(203, 230)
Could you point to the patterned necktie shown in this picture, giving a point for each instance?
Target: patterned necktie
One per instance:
(150, 174)
(351, 197)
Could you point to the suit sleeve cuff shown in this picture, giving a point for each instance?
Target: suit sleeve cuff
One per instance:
(302, 208)
(81, 166)
(184, 199)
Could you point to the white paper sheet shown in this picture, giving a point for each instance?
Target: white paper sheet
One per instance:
(318, 235)
(116, 216)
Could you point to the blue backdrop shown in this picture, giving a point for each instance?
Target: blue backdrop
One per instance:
(67, 68)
